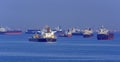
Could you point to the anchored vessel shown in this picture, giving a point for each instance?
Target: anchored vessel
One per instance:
(46, 36)
(67, 33)
(88, 33)
(58, 30)
(2, 30)
(6, 31)
(33, 31)
(104, 34)
(14, 32)
(76, 31)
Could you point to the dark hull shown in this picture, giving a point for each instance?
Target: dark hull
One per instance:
(64, 35)
(32, 31)
(87, 36)
(13, 32)
(42, 40)
(105, 36)
(78, 33)
(58, 33)
(1, 33)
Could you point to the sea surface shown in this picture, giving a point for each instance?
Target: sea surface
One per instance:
(17, 48)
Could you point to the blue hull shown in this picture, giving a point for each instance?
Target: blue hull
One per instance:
(105, 36)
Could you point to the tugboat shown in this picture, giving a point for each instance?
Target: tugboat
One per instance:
(76, 31)
(46, 36)
(67, 33)
(104, 34)
(88, 33)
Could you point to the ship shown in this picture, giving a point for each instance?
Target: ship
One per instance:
(67, 33)
(13, 32)
(104, 34)
(47, 35)
(87, 33)
(9, 31)
(33, 31)
(2, 30)
(76, 31)
(58, 30)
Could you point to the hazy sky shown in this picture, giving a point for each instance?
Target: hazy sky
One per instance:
(37, 13)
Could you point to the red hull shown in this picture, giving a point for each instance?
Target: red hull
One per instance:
(13, 32)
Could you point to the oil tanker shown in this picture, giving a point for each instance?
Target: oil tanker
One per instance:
(6, 31)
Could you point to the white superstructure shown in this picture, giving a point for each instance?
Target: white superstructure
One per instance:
(103, 30)
(48, 33)
(2, 29)
(88, 31)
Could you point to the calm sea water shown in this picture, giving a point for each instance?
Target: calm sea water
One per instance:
(17, 48)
